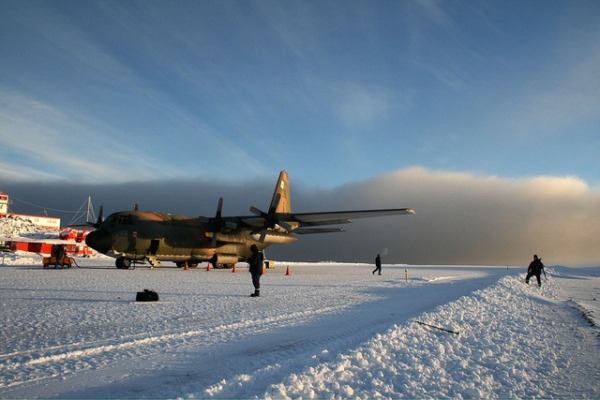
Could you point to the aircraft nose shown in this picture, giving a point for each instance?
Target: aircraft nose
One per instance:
(99, 240)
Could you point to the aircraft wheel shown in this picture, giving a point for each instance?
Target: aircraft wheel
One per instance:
(123, 263)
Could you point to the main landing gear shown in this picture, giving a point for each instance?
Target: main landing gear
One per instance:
(123, 263)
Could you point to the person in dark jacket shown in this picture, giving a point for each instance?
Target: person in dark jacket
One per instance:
(535, 268)
(58, 250)
(255, 262)
(377, 264)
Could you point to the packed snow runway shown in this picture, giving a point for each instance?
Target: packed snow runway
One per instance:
(328, 330)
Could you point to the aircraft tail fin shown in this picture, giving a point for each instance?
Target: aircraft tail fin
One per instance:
(281, 202)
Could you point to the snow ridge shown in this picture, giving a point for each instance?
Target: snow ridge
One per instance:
(504, 351)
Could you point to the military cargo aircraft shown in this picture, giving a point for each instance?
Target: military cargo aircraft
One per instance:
(143, 236)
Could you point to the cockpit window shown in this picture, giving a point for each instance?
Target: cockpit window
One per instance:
(125, 219)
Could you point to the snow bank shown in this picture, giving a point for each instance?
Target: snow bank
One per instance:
(11, 227)
(514, 341)
(19, 258)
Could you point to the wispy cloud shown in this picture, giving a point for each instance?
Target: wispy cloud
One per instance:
(47, 142)
(360, 107)
(549, 107)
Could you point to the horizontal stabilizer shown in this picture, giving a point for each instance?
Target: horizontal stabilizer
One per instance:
(306, 231)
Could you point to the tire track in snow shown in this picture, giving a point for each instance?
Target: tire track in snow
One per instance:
(84, 357)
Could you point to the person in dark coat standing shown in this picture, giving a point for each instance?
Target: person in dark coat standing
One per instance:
(256, 264)
(535, 268)
(58, 250)
(377, 264)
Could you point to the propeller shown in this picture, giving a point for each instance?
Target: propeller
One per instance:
(270, 219)
(216, 224)
(98, 221)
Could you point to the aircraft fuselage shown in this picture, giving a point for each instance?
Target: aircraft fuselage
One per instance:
(143, 235)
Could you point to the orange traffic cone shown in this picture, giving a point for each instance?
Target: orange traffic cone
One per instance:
(234, 269)
(208, 266)
(185, 267)
(264, 270)
(287, 271)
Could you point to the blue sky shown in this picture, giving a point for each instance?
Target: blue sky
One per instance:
(332, 91)
(483, 116)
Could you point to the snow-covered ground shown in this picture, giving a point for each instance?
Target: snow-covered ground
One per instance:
(327, 330)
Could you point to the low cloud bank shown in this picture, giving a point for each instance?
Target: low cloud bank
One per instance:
(461, 218)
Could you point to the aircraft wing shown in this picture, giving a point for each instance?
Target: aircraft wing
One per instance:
(304, 223)
(342, 217)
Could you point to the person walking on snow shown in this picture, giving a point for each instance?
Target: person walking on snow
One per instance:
(377, 264)
(255, 262)
(535, 268)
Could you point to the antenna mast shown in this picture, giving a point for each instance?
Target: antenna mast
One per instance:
(79, 213)
(90, 211)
